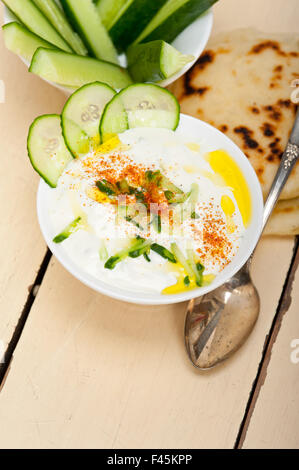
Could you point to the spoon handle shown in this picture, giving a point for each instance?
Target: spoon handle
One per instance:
(288, 160)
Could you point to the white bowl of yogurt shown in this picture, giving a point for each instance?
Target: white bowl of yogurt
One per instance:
(222, 229)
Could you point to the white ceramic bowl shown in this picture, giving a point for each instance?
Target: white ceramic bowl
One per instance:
(191, 41)
(199, 129)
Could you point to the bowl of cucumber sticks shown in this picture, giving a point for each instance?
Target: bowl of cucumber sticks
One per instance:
(117, 42)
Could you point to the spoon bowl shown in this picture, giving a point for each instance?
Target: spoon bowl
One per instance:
(218, 323)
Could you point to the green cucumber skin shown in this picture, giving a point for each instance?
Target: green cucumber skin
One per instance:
(73, 21)
(64, 111)
(116, 97)
(67, 231)
(108, 10)
(43, 29)
(179, 20)
(66, 139)
(29, 152)
(44, 177)
(58, 19)
(128, 27)
(24, 33)
(101, 131)
(85, 37)
(123, 79)
(149, 56)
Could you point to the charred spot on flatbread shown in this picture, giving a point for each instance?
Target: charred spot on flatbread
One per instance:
(278, 68)
(242, 84)
(285, 103)
(273, 112)
(267, 129)
(247, 136)
(205, 59)
(254, 109)
(262, 46)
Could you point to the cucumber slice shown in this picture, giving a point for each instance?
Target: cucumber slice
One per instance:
(30, 16)
(140, 105)
(131, 20)
(74, 70)
(87, 22)
(57, 18)
(108, 10)
(21, 41)
(173, 18)
(114, 119)
(76, 140)
(46, 148)
(154, 61)
(83, 111)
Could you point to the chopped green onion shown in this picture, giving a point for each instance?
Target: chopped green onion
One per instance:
(192, 199)
(162, 251)
(113, 260)
(137, 248)
(107, 188)
(138, 194)
(66, 232)
(166, 184)
(181, 259)
(194, 193)
(157, 223)
(162, 182)
(140, 250)
(196, 268)
(169, 195)
(132, 221)
(153, 177)
(179, 198)
(124, 187)
(200, 268)
(103, 253)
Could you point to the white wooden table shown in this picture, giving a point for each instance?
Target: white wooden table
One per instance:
(82, 370)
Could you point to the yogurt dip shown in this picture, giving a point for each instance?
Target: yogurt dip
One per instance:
(152, 188)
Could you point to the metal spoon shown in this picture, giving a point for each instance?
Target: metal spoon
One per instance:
(218, 323)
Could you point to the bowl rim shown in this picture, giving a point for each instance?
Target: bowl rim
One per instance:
(204, 22)
(161, 299)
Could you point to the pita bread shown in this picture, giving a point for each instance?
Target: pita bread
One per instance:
(242, 84)
(284, 219)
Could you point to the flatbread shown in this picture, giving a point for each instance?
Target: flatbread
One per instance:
(244, 84)
(284, 219)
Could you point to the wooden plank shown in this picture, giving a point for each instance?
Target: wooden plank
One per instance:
(266, 15)
(275, 416)
(94, 372)
(22, 98)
